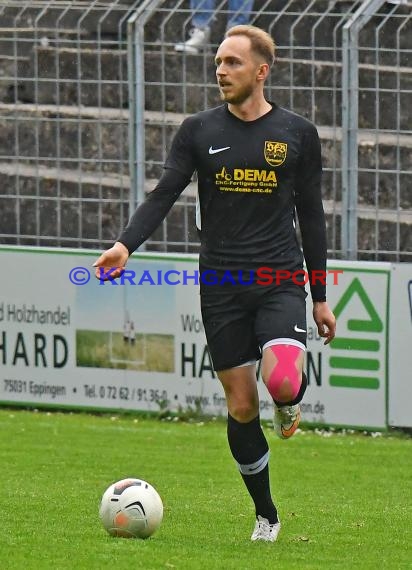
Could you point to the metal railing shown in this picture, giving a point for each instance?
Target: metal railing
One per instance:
(92, 92)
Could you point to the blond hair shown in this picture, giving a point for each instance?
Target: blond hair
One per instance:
(261, 42)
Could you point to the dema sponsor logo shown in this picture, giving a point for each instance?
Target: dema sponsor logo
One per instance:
(246, 174)
(252, 180)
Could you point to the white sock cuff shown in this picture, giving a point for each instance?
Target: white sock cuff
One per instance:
(256, 467)
(290, 341)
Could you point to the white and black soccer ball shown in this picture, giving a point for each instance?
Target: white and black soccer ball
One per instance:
(131, 508)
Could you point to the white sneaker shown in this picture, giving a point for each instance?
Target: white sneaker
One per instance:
(265, 531)
(286, 420)
(199, 38)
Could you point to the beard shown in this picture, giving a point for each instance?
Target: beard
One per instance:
(239, 97)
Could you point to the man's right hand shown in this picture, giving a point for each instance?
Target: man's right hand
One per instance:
(117, 257)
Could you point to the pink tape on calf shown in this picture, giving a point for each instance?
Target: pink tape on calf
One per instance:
(285, 380)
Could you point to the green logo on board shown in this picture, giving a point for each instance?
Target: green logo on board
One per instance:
(357, 371)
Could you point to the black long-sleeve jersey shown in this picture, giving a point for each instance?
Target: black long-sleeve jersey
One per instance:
(252, 178)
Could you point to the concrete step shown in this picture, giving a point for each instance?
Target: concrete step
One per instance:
(91, 208)
(59, 207)
(185, 83)
(72, 76)
(375, 233)
(83, 137)
(9, 65)
(21, 41)
(103, 16)
(93, 75)
(65, 136)
(107, 15)
(387, 236)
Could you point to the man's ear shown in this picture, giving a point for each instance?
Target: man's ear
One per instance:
(263, 71)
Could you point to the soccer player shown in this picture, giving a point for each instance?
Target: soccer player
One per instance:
(257, 164)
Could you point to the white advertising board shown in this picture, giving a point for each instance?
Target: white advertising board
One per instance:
(348, 378)
(400, 346)
(140, 345)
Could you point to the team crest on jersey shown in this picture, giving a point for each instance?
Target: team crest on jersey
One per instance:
(275, 152)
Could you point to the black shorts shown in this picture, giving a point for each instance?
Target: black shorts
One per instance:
(239, 321)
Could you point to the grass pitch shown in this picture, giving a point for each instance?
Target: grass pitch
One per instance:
(344, 500)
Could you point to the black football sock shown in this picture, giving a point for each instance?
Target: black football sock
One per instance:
(250, 450)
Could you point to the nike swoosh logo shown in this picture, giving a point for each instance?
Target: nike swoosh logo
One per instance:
(259, 466)
(297, 329)
(287, 432)
(216, 150)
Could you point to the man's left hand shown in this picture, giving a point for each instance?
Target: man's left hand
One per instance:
(325, 321)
